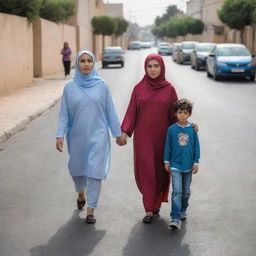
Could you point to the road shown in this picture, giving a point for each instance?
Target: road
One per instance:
(38, 215)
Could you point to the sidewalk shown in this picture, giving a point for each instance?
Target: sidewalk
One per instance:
(21, 106)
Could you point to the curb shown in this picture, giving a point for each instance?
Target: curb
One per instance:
(21, 123)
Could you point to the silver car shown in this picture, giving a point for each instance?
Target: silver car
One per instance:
(112, 55)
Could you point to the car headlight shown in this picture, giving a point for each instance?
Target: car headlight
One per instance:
(222, 64)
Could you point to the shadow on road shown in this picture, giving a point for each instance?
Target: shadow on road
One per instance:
(74, 238)
(156, 239)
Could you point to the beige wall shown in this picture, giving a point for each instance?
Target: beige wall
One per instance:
(211, 19)
(16, 52)
(114, 10)
(48, 42)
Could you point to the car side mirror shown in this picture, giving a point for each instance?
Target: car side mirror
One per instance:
(253, 55)
(211, 55)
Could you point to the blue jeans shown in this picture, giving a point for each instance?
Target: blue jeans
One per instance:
(180, 193)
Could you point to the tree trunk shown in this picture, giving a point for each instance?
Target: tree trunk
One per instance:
(103, 42)
(242, 35)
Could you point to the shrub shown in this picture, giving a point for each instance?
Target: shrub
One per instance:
(24, 8)
(57, 10)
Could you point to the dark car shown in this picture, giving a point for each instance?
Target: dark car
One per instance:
(199, 55)
(184, 53)
(175, 50)
(112, 55)
(230, 60)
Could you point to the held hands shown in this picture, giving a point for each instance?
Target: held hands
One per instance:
(195, 169)
(167, 167)
(195, 126)
(122, 140)
(59, 144)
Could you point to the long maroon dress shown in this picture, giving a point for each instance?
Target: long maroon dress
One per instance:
(149, 114)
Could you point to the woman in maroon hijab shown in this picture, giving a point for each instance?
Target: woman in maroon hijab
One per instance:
(149, 114)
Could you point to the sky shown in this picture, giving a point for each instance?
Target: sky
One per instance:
(144, 12)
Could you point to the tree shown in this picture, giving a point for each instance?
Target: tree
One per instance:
(236, 14)
(24, 8)
(171, 11)
(104, 25)
(193, 26)
(57, 10)
(122, 26)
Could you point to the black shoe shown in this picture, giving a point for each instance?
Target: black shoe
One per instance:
(80, 204)
(156, 212)
(90, 219)
(148, 219)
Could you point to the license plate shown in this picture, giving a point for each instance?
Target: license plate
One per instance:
(237, 70)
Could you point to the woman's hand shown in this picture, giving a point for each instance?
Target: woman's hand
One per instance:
(59, 144)
(122, 140)
(195, 126)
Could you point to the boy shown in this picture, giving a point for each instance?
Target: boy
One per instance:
(181, 158)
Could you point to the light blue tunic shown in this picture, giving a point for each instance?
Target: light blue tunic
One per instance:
(86, 114)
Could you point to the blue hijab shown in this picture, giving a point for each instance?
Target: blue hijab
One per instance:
(90, 79)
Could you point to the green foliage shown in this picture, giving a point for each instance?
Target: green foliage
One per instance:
(171, 11)
(57, 10)
(179, 27)
(122, 26)
(236, 14)
(104, 25)
(25, 8)
(193, 26)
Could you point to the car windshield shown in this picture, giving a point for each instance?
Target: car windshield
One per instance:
(112, 51)
(233, 51)
(188, 46)
(204, 48)
(176, 47)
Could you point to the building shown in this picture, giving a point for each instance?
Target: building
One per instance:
(195, 8)
(213, 27)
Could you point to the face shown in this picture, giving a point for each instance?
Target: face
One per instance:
(85, 64)
(182, 116)
(65, 45)
(153, 68)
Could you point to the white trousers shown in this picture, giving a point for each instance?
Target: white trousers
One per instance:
(92, 187)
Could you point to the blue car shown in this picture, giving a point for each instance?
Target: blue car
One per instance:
(230, 60)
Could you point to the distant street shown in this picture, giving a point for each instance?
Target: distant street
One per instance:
(38, 215)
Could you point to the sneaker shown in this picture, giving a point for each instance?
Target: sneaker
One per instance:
(183, 217)
(174, 224)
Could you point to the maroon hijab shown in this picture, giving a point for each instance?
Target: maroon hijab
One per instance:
(158, 82)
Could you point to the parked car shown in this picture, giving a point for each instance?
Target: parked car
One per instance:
(146, 45)
(165, 49)
(175, 50)
(135, 45)
(199, 55)
(184, 53)
(230, 60)
(112, 55)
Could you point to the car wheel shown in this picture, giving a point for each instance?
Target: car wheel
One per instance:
(207, 72)
(122, 64)
(216, 77)
(103, 65)
(252, 78)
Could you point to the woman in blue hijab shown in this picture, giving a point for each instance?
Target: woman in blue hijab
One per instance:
(87, 112)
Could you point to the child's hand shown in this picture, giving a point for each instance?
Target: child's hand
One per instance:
(167, 167)
(195, 169)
